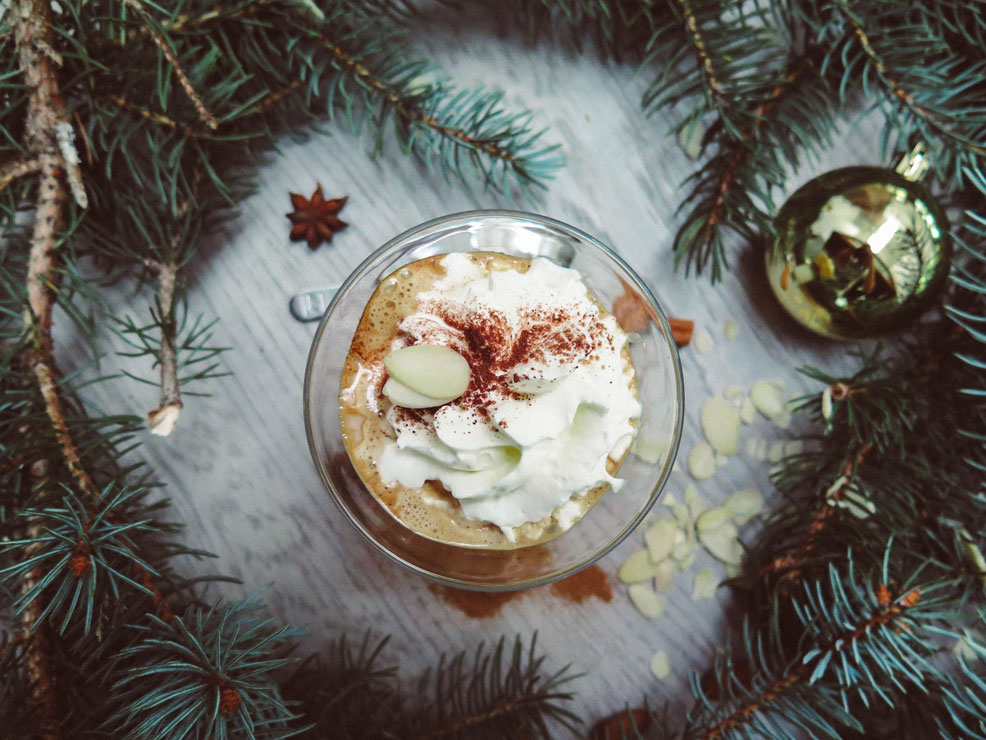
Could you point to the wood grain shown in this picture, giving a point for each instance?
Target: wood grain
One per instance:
(237, 466)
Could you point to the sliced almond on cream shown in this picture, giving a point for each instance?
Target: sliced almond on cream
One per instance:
(401, 395)
(429, 369)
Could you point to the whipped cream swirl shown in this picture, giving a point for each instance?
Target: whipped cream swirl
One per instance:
(551, 397)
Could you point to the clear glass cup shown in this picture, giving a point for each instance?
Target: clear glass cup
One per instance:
(659, 383)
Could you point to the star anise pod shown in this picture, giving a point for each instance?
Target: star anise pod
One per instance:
(315, 219)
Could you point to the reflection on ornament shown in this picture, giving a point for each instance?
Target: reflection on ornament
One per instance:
(860, 251)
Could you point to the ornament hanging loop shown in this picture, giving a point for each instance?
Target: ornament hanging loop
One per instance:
(915, 164)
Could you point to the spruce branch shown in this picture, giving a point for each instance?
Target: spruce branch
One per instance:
(34, 636)
(714, 87)
(466, 131)
(733, 190)
(346, 692)
(502, 695)
(11, 171)
(162, 420)
(788, 566)
(875, 47)
(942, 123)
(162, 43)
(206, 673)
(149, 115)
(621, 29)
(858, 641)
(45, 113)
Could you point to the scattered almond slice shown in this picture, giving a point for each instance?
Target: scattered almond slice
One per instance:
(827, 403)
(705, 585)
(664, 575)
(677, 508)
(702, 461)
(767, 400)
(776, 452)
(731, 330)
(712, 519)
(723, 543)
(721, 460)
(401, 395)
(744, 505)
(747, 412)
(696, 505)
(682, 547)
(686, 562)
(732, 570)
(793, 447)
(637, 568)
(691, 137)
(646, 600)
(429, 369)
(756, 447)
(649, 450)
(659, 539)
(720, 425)
(681, 517)
(732, 391)
(660, 666)
(685, 546)
(669, 500)
(703, 342)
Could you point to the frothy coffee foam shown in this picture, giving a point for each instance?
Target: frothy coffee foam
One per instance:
(547, 418)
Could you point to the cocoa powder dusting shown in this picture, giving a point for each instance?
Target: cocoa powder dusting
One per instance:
(492, 348)
(587, 583)
(475, 604)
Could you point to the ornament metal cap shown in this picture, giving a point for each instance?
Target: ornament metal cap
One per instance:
(860, 251)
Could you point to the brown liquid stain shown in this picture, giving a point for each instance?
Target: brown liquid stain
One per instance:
(588, 583)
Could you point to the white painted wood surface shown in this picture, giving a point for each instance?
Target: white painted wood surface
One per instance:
(237, 467)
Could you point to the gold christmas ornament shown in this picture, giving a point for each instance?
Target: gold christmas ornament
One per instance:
(860, 251)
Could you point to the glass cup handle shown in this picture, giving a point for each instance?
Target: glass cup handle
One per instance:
(310, 304)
